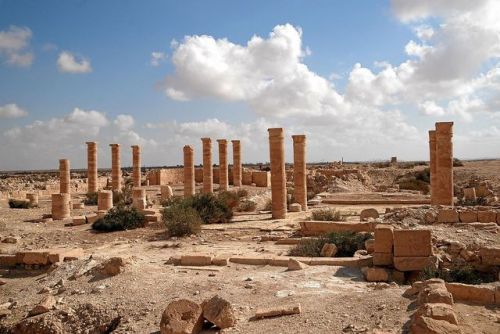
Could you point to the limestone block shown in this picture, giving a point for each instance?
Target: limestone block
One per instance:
(91, 218)
(487, 216)
(447, 216)
(295, 207)
(246, 177)
(375, 274)
(182, 317)
(64, 254)
(382, 259)
(328, 250)
(39, 257)
(79, 220)
(384, 239)
(166, 192)
(470, 194)
(412, 243)
(8, 260)
(219, 312)
(411, 263)
(468, 216)
(428, 325)
(261, 178)
(479, 294)
(490, 256)
(196, 260)
(61, 206)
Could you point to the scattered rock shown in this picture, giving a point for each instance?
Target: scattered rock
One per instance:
(219, 312)
(182, 317)
(112, 266)
(368, 213)
(9, 240)
(38, 325)
(296, 265)
(44, 306)
(375, 274)
(277, 311)
(328, 250)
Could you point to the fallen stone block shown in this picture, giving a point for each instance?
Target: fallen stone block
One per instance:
(412, 263)
(78, 220)
(220, 261)
(38, 257)
(375, 274)
(279, 261)
(277, 311)
(447, 216)
(79, 205)
(255, 261)
(341, 261)
(490, 256)
(437, 311)
(45, 305)
(398, 276)
(112, 266)
(328, 250)
(296, 265)
(196, 260)
(384, 239)
(427, 325)
(295, 207)
(370, 245)
(368, 213)
(382, 259)
(219, 312)
(92, 218)
(412, 243)
(152, 218)
(8, 260)
(435, 294)
(478, 294)
(182, 317)
(470, 194)
(468, 216)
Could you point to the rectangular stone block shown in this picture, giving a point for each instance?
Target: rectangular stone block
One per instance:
(447, 216)
(490, 256)
(468, 216)
(411, 263)
(64, 254)
(250, 260)
(478, 294)
(79, 220)
(412, 243)
(261, 178)
(488, 216)
(382, 259)
(34, 257)
(384, 239)
(196, 260)
(8, 260)
(246, 177)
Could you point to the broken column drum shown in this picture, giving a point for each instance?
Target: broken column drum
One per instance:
(278, 176)
(299, 170)
(116, 173)
(189, 183)
(208, 177)
(33, 198)
(91, 167)
(104, 200)
(432, 165)
(444, 163)
(223, 177)
(64, 176)
(139, 198)
(61, 206)
(136, 165)
(236, 163)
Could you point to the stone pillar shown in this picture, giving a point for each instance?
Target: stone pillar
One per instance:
(61, 206)
(299, 170)
(139, 198)
(432, 165)
(223, 177)
(208, 174)
(104, 200)
(91, 167)
(166, 192)
(116, 172)
(278, 176)
(33, 198)
(136, 165)
(64, 176)
(189, 184)
(444, 163)
(236, 163)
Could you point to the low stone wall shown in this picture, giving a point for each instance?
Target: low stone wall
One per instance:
(464, 215)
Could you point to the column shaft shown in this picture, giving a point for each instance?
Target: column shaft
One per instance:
(223, 177)
(236, 163)
(91, 167)
(432, 165)
(278, 176)
(444, 154)
(116, 172)
(136, 165)
(189, 184)
(64, 176)
(299, 170)
(208, 175)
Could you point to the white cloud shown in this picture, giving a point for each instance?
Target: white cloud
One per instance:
(69, 63)
(157, 58)
(124, 122)
(12, 110)
(14, 44)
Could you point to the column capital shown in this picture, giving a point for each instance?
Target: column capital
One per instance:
(444, 127)
(222, 141)
(276, 132)
(299, 138)
(91, 143)
(114, 145)
(235, 141)
(187, 148)
(206, 140)
(135, 146)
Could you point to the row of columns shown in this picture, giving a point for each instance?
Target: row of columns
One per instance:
(441, 163)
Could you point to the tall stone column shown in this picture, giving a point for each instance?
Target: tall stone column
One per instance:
(444, 163)
(236, 163)
(432, 165)
(278, 176)
(91, 167)
(64, 176)
(116, 172)
(61, 206)
(223, 177)
(136, 165)
(208, 174)
(189, 185)
(299, 170)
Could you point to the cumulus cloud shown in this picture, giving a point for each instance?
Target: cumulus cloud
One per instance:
(69, 63)
(12, 110)
(14, 46)
(157, 58)
(124, 122)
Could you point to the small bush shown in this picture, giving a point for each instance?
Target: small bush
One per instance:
(457, 162)
(19, 204)
(465, 274)
(90, 199)
(247, 206)
(120, 218)
(327, 215)
(181, 221)
(172, 201)
(210, 208)
(347, 244)
(242, 193)
(230, 198)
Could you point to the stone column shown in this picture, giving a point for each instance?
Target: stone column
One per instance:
(139, 198)
(189, 184)
(116, 172)
(236, 163)
(299, 170)
(91, 167)
(444, 163)
(104, 200)
(136, 165)
(64, 176)
(223, 177)
(432, 165)
(278, 176)
(61, 206)
(208, 174)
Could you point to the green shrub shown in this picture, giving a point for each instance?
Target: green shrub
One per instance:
(120, 218)
(347, 244)
(19, 204)
(465, 274)
(181, 221)
(172, 201)
(210, 208)
(90, 199)
(242, 193)
(327, 215)
(457, 162)
(229, 198)
(247, 206)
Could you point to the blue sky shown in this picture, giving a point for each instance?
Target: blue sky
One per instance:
(117, 38)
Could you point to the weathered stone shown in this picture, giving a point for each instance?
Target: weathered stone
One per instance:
(442, 187)
(294, 207)
(483, 295)
(370, 245)
(368, 213)
(79, 220)
(411, 263)
(112, 266)
(490, 256)
(219, 312)
(435, 295)
(8, 260)
(382, 259)
(38, 257)
(296, 265)
(38, 325)
(277, 311)
(278, 175)
(328, 250)
(470, 194)
(447, 216)
(398, 276)
(92, 167)
(430, 217)
(196, 260)
(468, 216)
(384, 239)
(45, 305)
(116, 172)
(299, 170)
(375, 274)
(427, 325)
(181, 317)
(412, 243)
(136, 165)
(438, 311)
(487, 216)
(189, 183)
